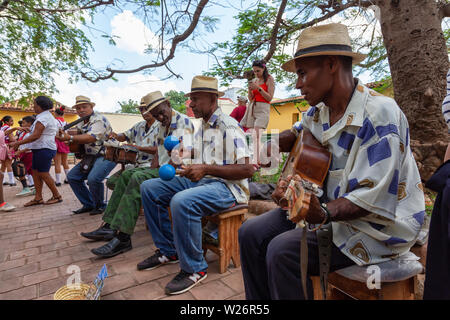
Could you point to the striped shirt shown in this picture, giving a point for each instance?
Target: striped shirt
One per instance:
(446, 103)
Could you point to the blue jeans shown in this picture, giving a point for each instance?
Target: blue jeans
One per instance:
(94, 196)
(188, 202)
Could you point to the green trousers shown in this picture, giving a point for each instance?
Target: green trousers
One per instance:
(123, 207)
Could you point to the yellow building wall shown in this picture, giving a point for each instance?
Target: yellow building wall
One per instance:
(289, 113)
(18, 115)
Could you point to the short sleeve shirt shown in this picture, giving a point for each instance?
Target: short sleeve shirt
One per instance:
(47, 138)
(223, 143)
(98, 127)
(143, 138)
(181, 127)
(373, 167)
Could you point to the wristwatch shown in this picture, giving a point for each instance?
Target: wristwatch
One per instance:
(326, 211)
(71, 139)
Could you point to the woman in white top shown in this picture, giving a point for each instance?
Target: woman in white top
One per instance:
(42, 142)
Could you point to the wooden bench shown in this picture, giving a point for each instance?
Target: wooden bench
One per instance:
(228, 221)
(342, 287)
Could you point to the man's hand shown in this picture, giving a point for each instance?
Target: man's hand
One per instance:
(315, 214)
(194, 172)
(113, 135)
(280, 191)
(62, 136)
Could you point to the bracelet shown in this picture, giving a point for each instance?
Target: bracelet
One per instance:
(71, 139)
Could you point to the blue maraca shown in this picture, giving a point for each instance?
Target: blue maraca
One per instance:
(171, 142)
(167, 172)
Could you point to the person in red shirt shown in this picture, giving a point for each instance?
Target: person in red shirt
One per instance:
(239, 111)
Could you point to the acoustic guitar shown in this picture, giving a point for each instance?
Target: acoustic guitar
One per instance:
(74, 147)
(308, 164)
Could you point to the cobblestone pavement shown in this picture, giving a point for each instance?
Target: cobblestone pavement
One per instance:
(39, 243)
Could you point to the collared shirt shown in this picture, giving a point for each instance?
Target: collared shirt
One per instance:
(47, 138)
(222, 141)
(98, 127)
(143, 138)
(181, 127)
(373, 167)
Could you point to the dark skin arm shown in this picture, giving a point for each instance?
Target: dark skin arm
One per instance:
(121, 137)
(196, 172)
(38, 129)
(286, 139)
(80, 138)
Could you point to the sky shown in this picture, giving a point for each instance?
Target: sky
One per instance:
(131, 36)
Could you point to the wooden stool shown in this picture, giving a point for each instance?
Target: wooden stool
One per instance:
(341, 287)
(228, 221)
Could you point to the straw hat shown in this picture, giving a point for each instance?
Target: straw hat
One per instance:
(152, 100)
(205, 84)
(82, 100)
(325, 40)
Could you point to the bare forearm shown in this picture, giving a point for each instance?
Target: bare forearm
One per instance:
(343, 209)
(230, 171)
(286, 140)
(149, 150)
(84, 139)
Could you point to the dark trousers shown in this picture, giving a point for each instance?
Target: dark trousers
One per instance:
(270, 258)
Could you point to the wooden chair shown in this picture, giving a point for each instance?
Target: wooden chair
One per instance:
(228, 221)
(342, 287)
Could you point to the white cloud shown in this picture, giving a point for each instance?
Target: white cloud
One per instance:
(106, 96)
(132, 34)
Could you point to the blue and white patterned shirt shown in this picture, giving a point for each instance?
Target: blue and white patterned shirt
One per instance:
(181, 127)
(138, 136)
(373, 167)
(221, 140)
(446, 103)
(98, 127)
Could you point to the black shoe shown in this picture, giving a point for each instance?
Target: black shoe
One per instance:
(12, 184)
(96, 211)
(82, 210)
(113, 248)
(58, 184)
(66, 181)
(5, 183)
(101, 234)
(156, 260)
(184, 281)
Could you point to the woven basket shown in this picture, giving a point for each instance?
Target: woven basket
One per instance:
(71, 292)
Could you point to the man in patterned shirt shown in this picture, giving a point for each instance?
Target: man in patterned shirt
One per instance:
(122, 211)
(94, 131)
(216, 181)
(373, 193)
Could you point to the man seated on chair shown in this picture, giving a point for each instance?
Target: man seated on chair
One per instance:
(373, 194)
(216, 181)
(123, 208)
(93, 132)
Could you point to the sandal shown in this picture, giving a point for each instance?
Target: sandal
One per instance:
(54, 199)
(33, 202)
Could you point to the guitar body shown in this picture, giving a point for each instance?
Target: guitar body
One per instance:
(308, 164)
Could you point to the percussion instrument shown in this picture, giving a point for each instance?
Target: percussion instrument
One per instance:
(127, 154)
(111, 153)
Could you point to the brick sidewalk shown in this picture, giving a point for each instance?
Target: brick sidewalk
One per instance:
(38, 243)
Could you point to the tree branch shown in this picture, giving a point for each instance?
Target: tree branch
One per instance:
(444, 11)
(175, 41)
(3, 5)
(373, 62)
(273, 36)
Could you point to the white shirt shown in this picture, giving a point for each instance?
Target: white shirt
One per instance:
(373, 167)
(47, 138)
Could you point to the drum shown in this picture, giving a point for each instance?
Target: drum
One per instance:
(111, 153)
(127, 155)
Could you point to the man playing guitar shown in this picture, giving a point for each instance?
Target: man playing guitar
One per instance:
(93, 131)
(372, 194)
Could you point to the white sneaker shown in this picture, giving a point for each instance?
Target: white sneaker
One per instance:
(26, 192)
(7, 207)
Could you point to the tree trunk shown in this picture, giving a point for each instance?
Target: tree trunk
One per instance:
(418, 60)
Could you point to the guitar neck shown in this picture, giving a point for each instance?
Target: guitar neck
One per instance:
(74, 123)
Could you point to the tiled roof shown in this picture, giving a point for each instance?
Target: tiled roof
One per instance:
(291, 99)
(15, 106)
